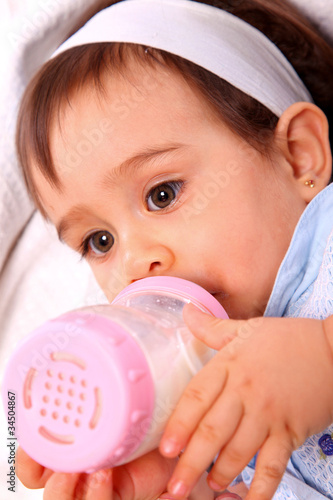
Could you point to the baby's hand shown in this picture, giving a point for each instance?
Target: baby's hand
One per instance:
(143, 479)
(268, 388)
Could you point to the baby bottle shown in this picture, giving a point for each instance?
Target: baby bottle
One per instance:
(95, 387)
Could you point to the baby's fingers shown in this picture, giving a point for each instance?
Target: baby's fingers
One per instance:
(29, 472)
(61, 485)
(270, 466)
(214, 332)
(214, 430)
(80, 486)
(198, 397)
(238, 452)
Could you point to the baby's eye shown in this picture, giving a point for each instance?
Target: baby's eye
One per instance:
(98, 243)
(163, 195)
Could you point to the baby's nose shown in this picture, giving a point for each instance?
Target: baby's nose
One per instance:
(145, 260)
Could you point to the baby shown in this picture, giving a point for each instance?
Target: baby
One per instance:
(170, 137)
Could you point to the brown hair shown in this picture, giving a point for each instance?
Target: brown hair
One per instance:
(55, 82)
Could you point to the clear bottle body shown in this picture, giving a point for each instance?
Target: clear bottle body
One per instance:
(155, 320)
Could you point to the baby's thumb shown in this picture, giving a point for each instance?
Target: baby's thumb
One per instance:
(214, 332)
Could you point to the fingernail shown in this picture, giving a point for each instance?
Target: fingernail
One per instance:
(169, 447)
(179, 489)
(215, 486)
(228, 496)
(100, 477)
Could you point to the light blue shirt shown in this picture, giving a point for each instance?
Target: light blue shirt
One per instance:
(304, 288)
(300, 267)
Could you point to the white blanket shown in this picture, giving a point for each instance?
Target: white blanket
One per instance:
(39, 277)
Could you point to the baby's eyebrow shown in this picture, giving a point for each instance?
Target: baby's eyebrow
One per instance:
(72, 216)
(139, 160)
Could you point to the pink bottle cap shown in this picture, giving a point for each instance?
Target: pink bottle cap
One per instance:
(84, 393)
(176, 286)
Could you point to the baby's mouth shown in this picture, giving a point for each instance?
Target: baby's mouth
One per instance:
(219, 296)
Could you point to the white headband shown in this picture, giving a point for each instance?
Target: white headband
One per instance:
(207, 36)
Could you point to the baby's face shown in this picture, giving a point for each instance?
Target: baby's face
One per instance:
(154, 184)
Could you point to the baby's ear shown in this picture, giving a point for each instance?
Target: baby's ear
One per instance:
(302, 135)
